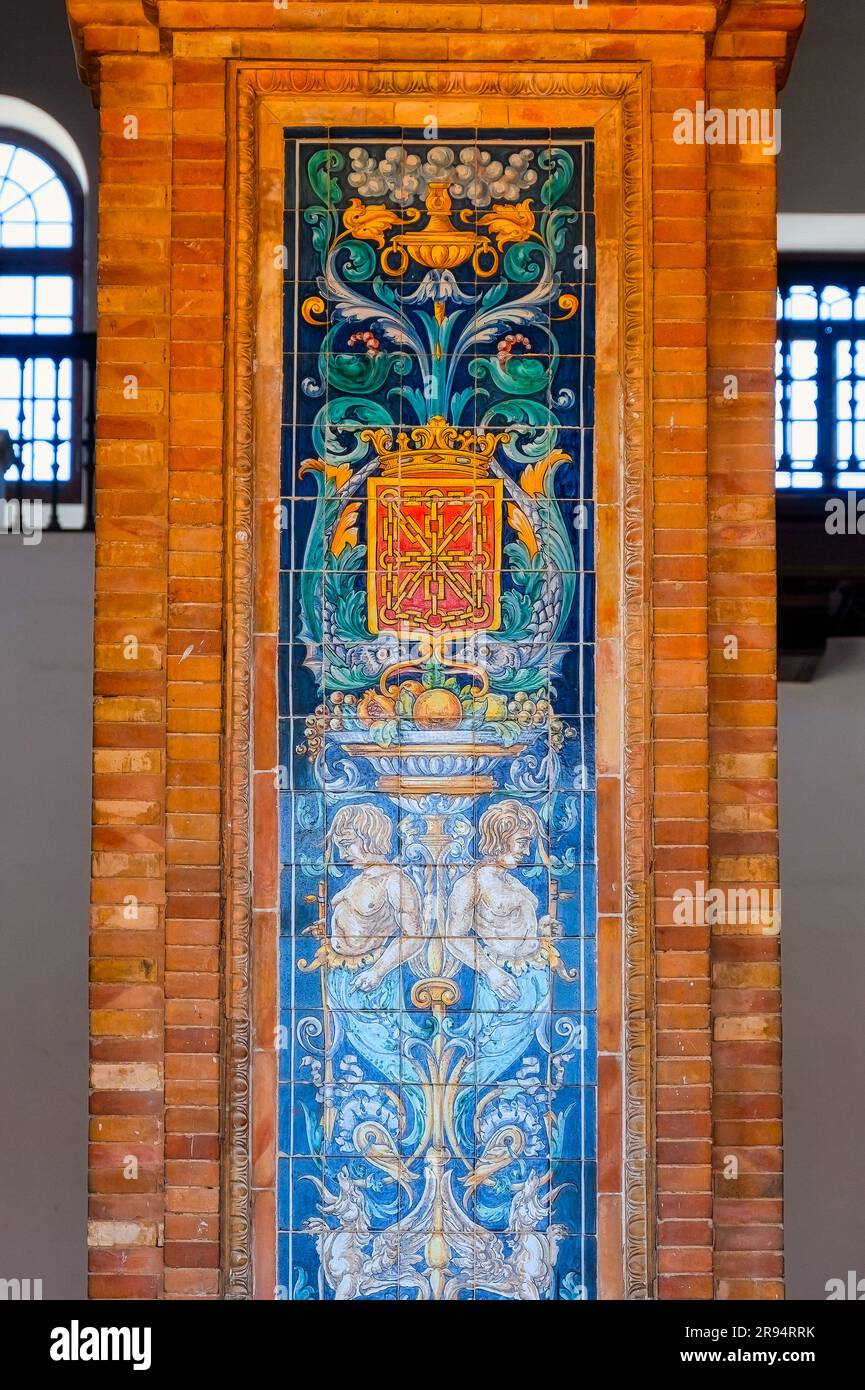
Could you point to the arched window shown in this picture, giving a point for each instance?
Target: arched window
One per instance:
(36, 209)
(45, 360)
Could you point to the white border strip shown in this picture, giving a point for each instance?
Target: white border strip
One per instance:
(816, 232)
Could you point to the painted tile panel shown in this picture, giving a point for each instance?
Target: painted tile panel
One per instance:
(438, 1060)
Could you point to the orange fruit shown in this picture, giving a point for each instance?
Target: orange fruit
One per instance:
(437, 709)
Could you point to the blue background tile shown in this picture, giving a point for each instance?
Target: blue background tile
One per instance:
(516, 1042)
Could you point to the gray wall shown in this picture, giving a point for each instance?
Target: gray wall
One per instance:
(45, 692)
(45, 698)
(822, 161)
(822, 169)
(823, 946)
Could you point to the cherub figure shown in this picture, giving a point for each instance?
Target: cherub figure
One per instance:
(492, 918)
(378, 913)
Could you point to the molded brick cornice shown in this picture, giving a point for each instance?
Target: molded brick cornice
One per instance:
(755, 29)
(110, 26)
(748, 29)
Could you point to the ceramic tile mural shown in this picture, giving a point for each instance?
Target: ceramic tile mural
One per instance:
(437, 963)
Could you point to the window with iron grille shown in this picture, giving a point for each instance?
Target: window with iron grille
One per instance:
(46, 362)
(820, 369)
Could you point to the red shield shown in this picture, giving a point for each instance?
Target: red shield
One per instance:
(434, 554)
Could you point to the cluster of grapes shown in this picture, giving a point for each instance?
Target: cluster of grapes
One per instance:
(535, 712)
(324, 718)
(316, 723)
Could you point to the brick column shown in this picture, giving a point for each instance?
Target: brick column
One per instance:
(194, 682)
(679, 690)
(129, 795)
(746, 1000)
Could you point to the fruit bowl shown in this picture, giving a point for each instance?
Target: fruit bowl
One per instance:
(456, 762)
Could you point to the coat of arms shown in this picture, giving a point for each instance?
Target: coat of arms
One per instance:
(435, 533)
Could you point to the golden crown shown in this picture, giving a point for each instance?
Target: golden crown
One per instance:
(435, 445)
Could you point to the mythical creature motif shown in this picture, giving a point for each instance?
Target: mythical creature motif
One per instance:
(352, 1272)
(356, 1262)
(525, 1272)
